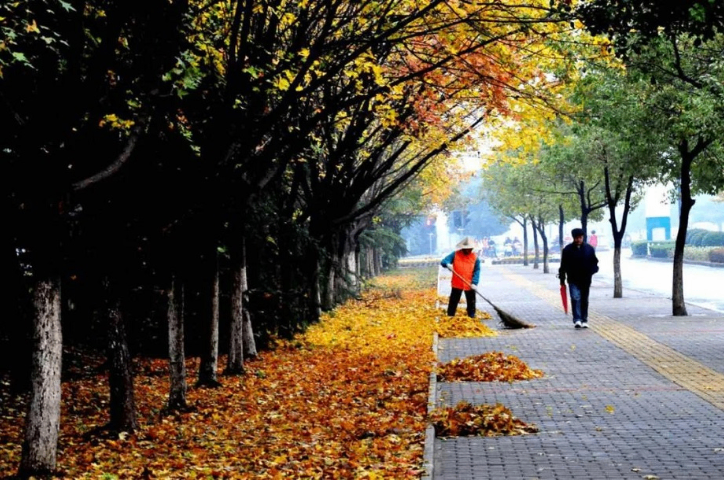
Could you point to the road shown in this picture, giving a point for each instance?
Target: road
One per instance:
(703, 285)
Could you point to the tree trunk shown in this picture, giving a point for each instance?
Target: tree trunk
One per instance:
(209, 363)
(328, 294)
(43, 419)
(235, 363)
(177, 357)
(535, 243)
(617, 234)
(525, 241)
(561, 222)
(677, 295)
(248, 333)
(120, 377)
(542, 230)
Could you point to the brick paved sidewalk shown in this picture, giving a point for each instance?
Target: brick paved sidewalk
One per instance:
(639, 395)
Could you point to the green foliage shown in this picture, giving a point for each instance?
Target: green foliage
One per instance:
(661, 249)
(694, 236)
(713, 239)
(640, 249)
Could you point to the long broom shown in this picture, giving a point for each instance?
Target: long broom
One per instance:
(507, 319)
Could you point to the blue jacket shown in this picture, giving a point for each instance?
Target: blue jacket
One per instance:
(578, 264)
(476, 270)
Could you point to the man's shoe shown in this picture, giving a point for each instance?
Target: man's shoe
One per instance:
(584, 325)
(577, 324)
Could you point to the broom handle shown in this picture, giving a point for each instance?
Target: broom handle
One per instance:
(469, 285)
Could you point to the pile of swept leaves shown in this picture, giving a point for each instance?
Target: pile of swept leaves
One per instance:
(488, 367)
(346, 400)
(482, 420)
(462, 326)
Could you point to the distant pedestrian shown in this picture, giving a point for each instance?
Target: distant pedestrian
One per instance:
(465, 264)
(578, 264)
(593, 239)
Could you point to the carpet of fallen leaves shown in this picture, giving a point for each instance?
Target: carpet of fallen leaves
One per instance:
(346, 400)
(480, 420)
(462, 326)
(488, 367)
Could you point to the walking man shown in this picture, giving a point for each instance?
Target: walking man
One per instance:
(578, 264)
(465, 266)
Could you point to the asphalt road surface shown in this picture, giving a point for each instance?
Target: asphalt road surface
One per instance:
(703, 285)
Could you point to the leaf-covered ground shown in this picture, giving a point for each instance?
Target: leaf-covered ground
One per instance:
(346, 400)
(485, 420)
(462, 326)
(488, 367)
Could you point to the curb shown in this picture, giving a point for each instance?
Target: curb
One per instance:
(671, 260)
(428, 455)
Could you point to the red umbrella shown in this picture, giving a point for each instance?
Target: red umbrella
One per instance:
(564, 298)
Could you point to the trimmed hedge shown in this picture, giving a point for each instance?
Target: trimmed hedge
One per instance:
(697, 254)
(661, 249)
(716, 255)
(640, 249)
(694, 236)
(698, 237)
(712, 239)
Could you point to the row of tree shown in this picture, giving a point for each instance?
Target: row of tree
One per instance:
(651, 115)
(167, 164)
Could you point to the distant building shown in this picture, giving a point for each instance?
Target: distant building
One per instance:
(658, 214)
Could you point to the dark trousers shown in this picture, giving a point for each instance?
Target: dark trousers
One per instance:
(452, 304)
(579, 300)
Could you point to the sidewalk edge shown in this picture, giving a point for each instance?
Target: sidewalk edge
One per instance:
(429, 450)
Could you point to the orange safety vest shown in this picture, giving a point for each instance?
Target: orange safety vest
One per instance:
(464, 265)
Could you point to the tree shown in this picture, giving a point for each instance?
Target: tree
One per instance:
(677, 57)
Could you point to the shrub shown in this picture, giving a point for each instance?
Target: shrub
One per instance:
(712, 239)
(639, 249)
(698, 254)
(694, 236)
(661, 249)
(716, 255)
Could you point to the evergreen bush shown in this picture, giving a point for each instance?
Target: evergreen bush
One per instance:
(639, 249)
(661, 249)
(694, 236)
(712, 239)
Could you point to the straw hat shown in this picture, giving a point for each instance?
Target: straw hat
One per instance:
(466, 242)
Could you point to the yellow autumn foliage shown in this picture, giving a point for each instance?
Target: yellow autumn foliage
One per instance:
(464, 326)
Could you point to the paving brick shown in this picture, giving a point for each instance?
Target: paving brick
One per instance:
(640, 393)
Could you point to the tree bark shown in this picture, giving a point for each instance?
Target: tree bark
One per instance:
(677, 294)
(177, 357)
(42, 424)
(235, 364)
(250, 351)
(328, 294)
(561, 222)
(120, 377)
(542, 232)
(618, 234)
(525, 241)
(535, 243)
(209, 364)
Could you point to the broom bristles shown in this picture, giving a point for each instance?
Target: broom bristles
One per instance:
(510, 321)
